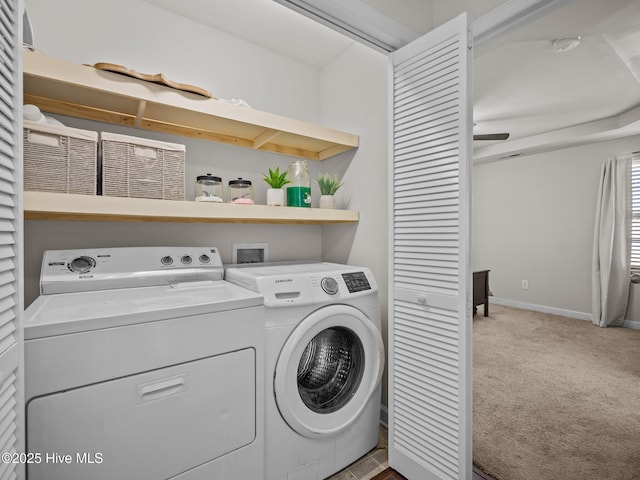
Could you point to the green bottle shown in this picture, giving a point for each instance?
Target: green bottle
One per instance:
(299, 190)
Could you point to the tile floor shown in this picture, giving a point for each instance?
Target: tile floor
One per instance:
(376, 461)
(368, 466)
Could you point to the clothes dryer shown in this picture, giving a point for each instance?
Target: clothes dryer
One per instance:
(323, 365)
(143, 363)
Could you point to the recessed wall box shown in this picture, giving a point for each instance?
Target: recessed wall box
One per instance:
(250, 252)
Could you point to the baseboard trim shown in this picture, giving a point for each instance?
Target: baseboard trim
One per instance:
(634, 324)
(540, 308)
(631, 324)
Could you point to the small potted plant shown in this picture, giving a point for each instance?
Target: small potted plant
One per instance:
(328, 185)
(276, 180)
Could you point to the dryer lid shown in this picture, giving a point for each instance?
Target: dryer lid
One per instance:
(76, 312)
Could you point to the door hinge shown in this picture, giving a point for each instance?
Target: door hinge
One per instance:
(469, 39)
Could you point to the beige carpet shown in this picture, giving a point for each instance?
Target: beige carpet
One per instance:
(555, 398)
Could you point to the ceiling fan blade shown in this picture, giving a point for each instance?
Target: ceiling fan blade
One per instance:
(492, 136)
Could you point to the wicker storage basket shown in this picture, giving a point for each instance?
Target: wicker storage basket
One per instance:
(141, 168)
(59, 159)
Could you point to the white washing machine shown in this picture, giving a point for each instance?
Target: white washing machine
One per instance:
(143, 363)
(323, 364)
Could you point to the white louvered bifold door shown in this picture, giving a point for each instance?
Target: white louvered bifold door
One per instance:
(11, 340)
(430, 277)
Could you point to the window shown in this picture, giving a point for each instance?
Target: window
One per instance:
(635, 202)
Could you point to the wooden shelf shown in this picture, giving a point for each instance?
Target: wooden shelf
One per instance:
(62, 206)
(67, 88)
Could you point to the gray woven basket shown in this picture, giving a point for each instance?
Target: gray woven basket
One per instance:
(142, 168)
(59, 159)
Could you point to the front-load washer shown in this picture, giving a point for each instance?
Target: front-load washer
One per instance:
(324, 359)
(143, 363)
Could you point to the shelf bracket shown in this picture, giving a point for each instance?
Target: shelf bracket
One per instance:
(140, 113)
(265, 137)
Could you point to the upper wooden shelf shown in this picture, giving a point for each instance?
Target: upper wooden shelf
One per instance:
(63, 206)
(66, 88)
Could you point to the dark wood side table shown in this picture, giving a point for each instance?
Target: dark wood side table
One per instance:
(481, 291)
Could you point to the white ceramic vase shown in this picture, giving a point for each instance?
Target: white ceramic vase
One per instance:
(275, 197)
(327, 201)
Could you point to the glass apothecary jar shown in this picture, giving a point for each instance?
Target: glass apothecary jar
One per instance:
(208, 188)
(240, 191)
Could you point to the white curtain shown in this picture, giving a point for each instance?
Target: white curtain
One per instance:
(612, 243)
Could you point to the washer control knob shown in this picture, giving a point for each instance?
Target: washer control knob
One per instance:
(329, 285)
(166, 260)
(205, 258)
(81, 264)
(186, 259)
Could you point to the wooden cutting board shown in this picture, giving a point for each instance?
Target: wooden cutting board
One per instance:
(158, 78)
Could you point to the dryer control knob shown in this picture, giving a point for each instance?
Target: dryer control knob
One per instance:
(329, 285)
(81, 264)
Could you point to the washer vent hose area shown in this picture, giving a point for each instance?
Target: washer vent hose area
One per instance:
(330, 370)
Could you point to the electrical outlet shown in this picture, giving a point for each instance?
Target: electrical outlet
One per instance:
(525, 284)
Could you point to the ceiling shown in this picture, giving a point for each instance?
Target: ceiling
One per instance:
(544, 99)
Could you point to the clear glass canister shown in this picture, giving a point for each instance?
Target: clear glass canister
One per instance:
(240, 191)
(299, 190)
(208, 188)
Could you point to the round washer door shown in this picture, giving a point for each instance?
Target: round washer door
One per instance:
(328, 370)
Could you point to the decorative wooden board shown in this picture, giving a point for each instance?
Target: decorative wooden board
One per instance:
(158, 78)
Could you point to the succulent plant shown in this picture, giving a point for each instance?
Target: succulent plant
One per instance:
(328, 184)
(275, 179)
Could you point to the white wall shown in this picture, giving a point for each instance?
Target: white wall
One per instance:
(151, 40)
(534, 220)
(354, 93)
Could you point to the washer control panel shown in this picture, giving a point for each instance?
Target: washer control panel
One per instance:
(356, 282)
(66, 271)
(303, 283)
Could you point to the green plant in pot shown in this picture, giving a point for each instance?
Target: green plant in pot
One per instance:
(329, 185)
(276, 180)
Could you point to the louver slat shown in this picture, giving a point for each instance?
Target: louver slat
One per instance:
(10, 210)
(635, 223)
(429, 363)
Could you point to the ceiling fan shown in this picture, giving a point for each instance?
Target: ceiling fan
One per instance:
(491, 136)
